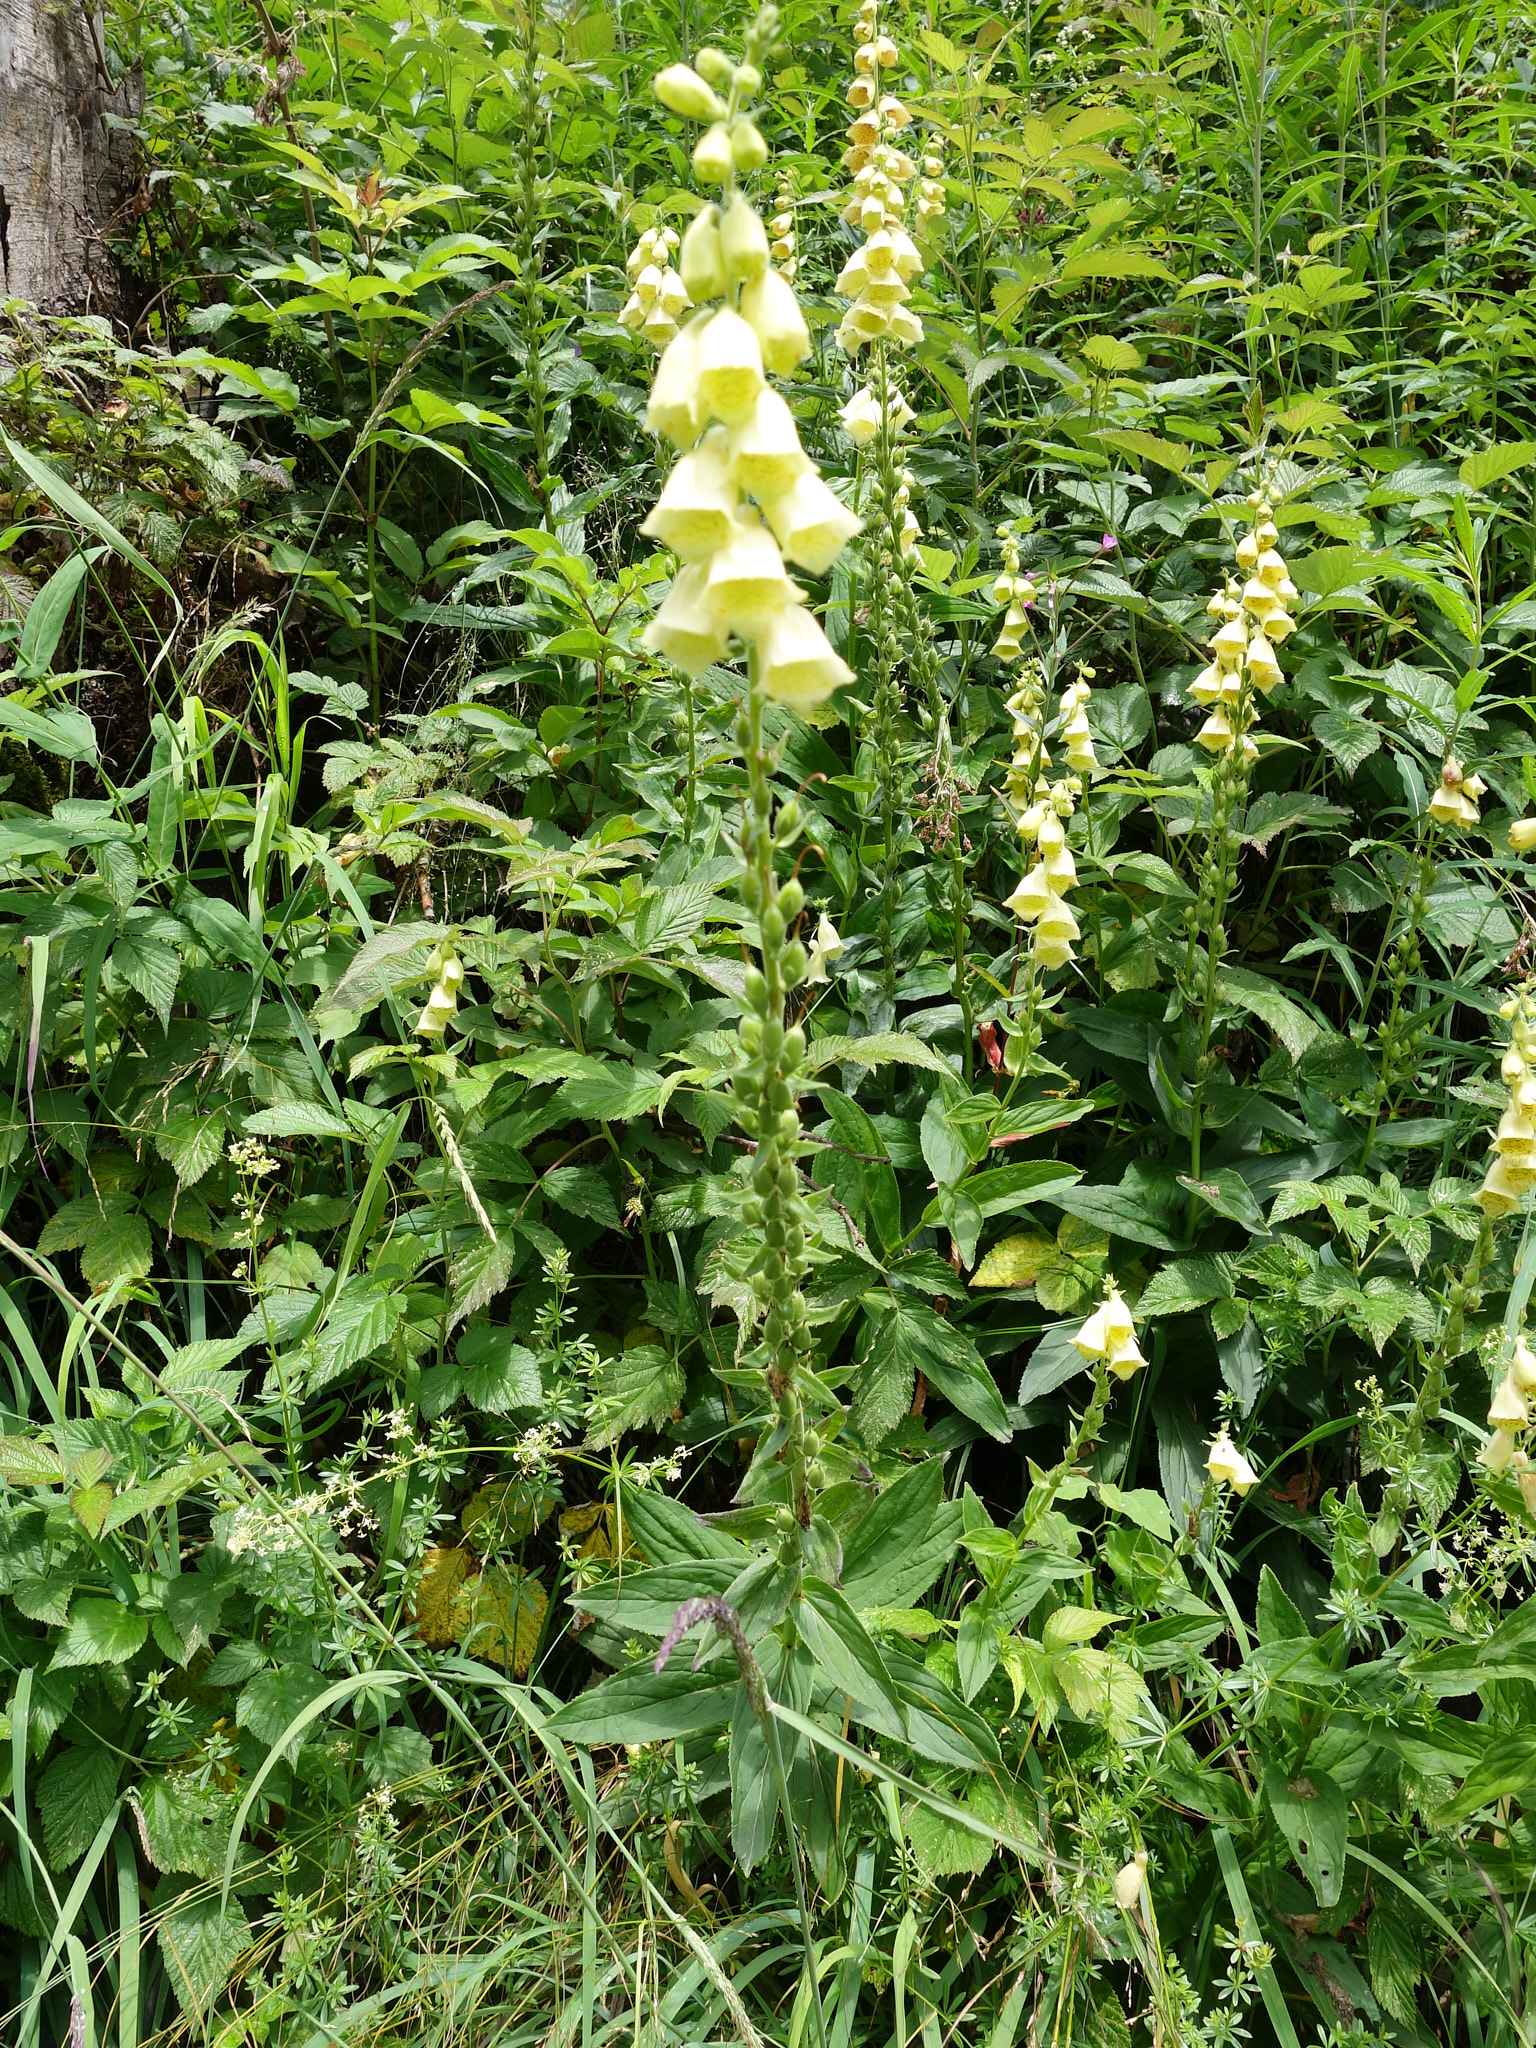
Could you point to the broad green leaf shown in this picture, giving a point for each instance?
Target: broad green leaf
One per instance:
(1015, 1261)
(1491, 465)
(74, 1797)
(100, 1632)
(640, 1705)
(638, 1389)
(1313, 1815)
(848, 1655)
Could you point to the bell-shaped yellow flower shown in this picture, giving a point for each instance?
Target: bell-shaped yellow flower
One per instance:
(1227, 1465)
(797, 663)
(747, 587)
(765, 449)
(696, 512)
(730, 367)
(771, 310)
(811, 523)
(684, 630)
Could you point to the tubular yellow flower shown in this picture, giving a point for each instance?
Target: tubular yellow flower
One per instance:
(681, 88)
(770, 308)
(743, 241)
(443, 999)
(811, 523)
(730, 367)
(766, 455)
(747, 587)
(1522, 834)
(702, 259)
(1456, 793)
(1110, 1334)
(825, 948)
(1129, 1880)
(684, 630)
(1513, 1171)
(673, 408)
(713, 158)
(798, 664)
(1227, 1465)
(696, 512)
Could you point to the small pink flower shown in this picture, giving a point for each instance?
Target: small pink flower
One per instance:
(1107, 544)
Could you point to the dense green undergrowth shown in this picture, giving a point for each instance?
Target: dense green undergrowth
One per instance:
(516, 1151)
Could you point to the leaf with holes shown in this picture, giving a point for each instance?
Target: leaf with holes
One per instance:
(1312, 1813)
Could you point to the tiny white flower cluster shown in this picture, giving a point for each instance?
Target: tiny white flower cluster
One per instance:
(1253, 617)
(738, 441)
(1455, 799)
(249, 1156)
(535, 1448)
(262, 1531)
(657, 294)
(1513, 1171)
(443, 1000)
(1509, 1413)
(657, 1471)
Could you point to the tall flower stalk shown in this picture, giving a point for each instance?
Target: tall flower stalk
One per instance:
(530, 205)
(1041, 809)
(743, 500)
(1252, 618)
(877, 280)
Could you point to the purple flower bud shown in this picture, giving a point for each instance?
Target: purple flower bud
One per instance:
(1107, 543)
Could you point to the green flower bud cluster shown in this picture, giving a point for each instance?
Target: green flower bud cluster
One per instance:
(774, 1210)
(732, 145)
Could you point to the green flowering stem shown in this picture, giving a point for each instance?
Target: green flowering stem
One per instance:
(1399, 1035)
(887, 691)
(764, 1087)
(531, 288)
(1042, 1494)
(1461, 1295)
(1207, 925)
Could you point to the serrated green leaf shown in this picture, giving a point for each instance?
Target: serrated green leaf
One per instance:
(100, 1632)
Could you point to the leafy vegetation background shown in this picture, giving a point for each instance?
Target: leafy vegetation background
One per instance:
(371, 1403)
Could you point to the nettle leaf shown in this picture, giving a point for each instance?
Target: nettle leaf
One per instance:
(908, 1337)
(100, 1632)
(151, 968)
(199, 1945)
(363, 1319)
(1183, 1285)
(498, 1374)
(74, 1797)
(191, 1142)
(583, 1191)
(638, 1389)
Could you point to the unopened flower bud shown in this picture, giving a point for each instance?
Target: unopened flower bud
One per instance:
(681, 88)
(748, 148)
(713, 159)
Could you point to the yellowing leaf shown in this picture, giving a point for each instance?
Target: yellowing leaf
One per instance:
(500, 1617)
(90, 1504)
(1074, 1625)
(442, 1580)
(1015, 1261)
(504, 1513)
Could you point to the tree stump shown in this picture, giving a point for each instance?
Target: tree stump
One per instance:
(65, 170)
